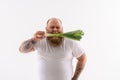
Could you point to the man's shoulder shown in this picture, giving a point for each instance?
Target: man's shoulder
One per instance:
(70, 40)
(43, 41)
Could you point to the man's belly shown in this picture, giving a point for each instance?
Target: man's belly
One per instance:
(55, 70)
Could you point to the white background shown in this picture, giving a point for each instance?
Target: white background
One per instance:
(99, 19)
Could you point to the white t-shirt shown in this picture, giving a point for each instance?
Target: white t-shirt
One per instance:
(55, 63)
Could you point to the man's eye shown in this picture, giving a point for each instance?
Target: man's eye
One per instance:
(57, 27)
(52, 27)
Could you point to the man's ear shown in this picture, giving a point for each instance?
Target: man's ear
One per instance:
(46, 28)
(62, 29)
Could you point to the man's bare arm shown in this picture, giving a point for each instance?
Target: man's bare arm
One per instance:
(27, 46)
(80, 66)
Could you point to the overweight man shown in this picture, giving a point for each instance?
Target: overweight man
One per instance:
(55, 53)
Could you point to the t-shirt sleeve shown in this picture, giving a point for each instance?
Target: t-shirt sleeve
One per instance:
(77, 50)
(36, 45)
(40, 44)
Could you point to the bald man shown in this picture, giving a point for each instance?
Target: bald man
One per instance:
(55, 53)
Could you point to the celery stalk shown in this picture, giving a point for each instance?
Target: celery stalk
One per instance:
(75, 35)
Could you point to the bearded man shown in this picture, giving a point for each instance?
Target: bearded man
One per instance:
(55, 53)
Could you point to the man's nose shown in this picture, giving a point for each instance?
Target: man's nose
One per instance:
(54, 29)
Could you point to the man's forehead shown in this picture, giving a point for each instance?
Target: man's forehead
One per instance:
(54, 23)
(54, 20)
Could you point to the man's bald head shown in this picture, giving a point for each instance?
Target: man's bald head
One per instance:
(54, 19)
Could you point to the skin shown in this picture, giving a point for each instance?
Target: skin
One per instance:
(54, 25)
(80, 66)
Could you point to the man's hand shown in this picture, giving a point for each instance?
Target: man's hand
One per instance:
(39, 35)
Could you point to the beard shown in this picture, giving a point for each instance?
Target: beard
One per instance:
(55, 41)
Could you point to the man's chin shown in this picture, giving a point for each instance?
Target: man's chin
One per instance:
(55, 40)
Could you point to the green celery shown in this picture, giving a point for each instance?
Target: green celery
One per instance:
(75, 35)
